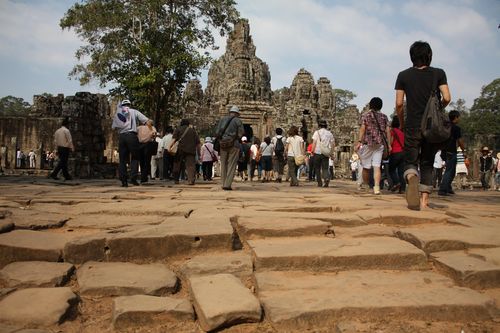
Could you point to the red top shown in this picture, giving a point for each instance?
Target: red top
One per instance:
(398, 140)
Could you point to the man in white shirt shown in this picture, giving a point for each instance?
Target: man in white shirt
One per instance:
(168, 159)
(438, 169)
(323, 143)
(64, 144)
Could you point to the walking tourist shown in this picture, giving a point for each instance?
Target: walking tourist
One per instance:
(208, 157)
(396, 161)
(462, 169)
(146, 134)
(373, 135)
(125, 121)
(279, 158)
(267, 149)
(416, 84)
(354, 163)
(32, 158)
(168, 158)
(322, 146)
(229, 131)
(497, 173)
(244, 158)
(157, 158)
(450, 153)
(254, 157)
(64, 144)
(438, 165)
(295, 154)
(486, 167)
(188, 148)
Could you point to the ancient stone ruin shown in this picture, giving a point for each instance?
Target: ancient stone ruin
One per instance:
(89, 116)
(240, 78)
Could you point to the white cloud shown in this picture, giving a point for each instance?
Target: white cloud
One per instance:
(31, 34)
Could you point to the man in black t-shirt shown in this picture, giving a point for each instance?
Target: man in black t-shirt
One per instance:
(449, 154)
(416, 83)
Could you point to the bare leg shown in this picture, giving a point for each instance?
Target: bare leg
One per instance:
(424, 203)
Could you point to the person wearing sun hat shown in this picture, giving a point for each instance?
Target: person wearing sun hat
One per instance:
(485, 167)
(125, 121)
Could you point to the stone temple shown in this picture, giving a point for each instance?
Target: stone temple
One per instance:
(240, 78)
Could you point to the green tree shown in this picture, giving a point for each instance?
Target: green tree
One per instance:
(14, 106)
(146, 49)
(484, 115)
(343, 98)
(459, 105)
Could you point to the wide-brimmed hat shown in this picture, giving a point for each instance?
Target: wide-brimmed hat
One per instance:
(234, 109)
(208, 139)
(485, 148)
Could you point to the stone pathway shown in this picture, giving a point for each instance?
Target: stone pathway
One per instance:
(262, 258)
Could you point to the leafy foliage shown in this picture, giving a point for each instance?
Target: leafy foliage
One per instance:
(343, 98)
(147, 49)
(484, 115)
(14, 106)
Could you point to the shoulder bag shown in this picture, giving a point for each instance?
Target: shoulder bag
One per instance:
(385, 155)
(299, 159)
(174, 146)
(224, 144)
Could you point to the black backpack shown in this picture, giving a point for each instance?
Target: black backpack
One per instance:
(436, 126)
(279, 149)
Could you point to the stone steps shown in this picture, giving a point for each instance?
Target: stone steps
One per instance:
(248, 228)
(477, 268)
(335, 254)
(300, 300)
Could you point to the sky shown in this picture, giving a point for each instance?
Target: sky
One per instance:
(358, 45)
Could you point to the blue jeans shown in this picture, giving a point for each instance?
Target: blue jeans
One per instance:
(449, 173)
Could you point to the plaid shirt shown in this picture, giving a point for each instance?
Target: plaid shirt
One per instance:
(373, 134)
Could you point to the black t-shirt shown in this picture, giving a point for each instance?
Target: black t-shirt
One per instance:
(417, 85)
(456, 133)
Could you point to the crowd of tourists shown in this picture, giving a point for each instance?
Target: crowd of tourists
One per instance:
(408, 154)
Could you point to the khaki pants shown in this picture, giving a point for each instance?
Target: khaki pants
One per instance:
(228, 163)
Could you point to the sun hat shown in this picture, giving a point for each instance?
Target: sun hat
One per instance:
(485, 148)
(126, 102)
(234, 109)
(208, 139)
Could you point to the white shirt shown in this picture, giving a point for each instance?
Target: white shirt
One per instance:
(295, 145)
(254, 149)
(438, 161)
(166, 141)
(325, 136)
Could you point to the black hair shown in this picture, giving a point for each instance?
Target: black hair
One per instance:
(65, 122)
(395, 122)
(185, 122)
(279, 131)
(454, 114)
(267, 140)
(376, 103)
(169, 129)
(420, 54)
(322, 123)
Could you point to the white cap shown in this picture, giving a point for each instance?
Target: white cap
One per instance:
(234, 109)
(125, 102)
(244, 138)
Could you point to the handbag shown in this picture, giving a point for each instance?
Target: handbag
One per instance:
(224, 144)
(174, 147)
(385, 155)
(212, 154)
(299, 159)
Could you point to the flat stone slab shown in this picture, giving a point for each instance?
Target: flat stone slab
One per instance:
(294, 300)
(401, 216)
(280, 227)
(38, 306)
(36, 274)
(177, 235)
(222, 300)
(27, 245)
(332, 254)
(237, 263)
(103, 221)
(371, 230)
(35, 219)
(86, 248)
(142, 310)
(469, 270)
(440, 238)
(124, 279)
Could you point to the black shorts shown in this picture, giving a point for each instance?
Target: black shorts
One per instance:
(267, 163)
